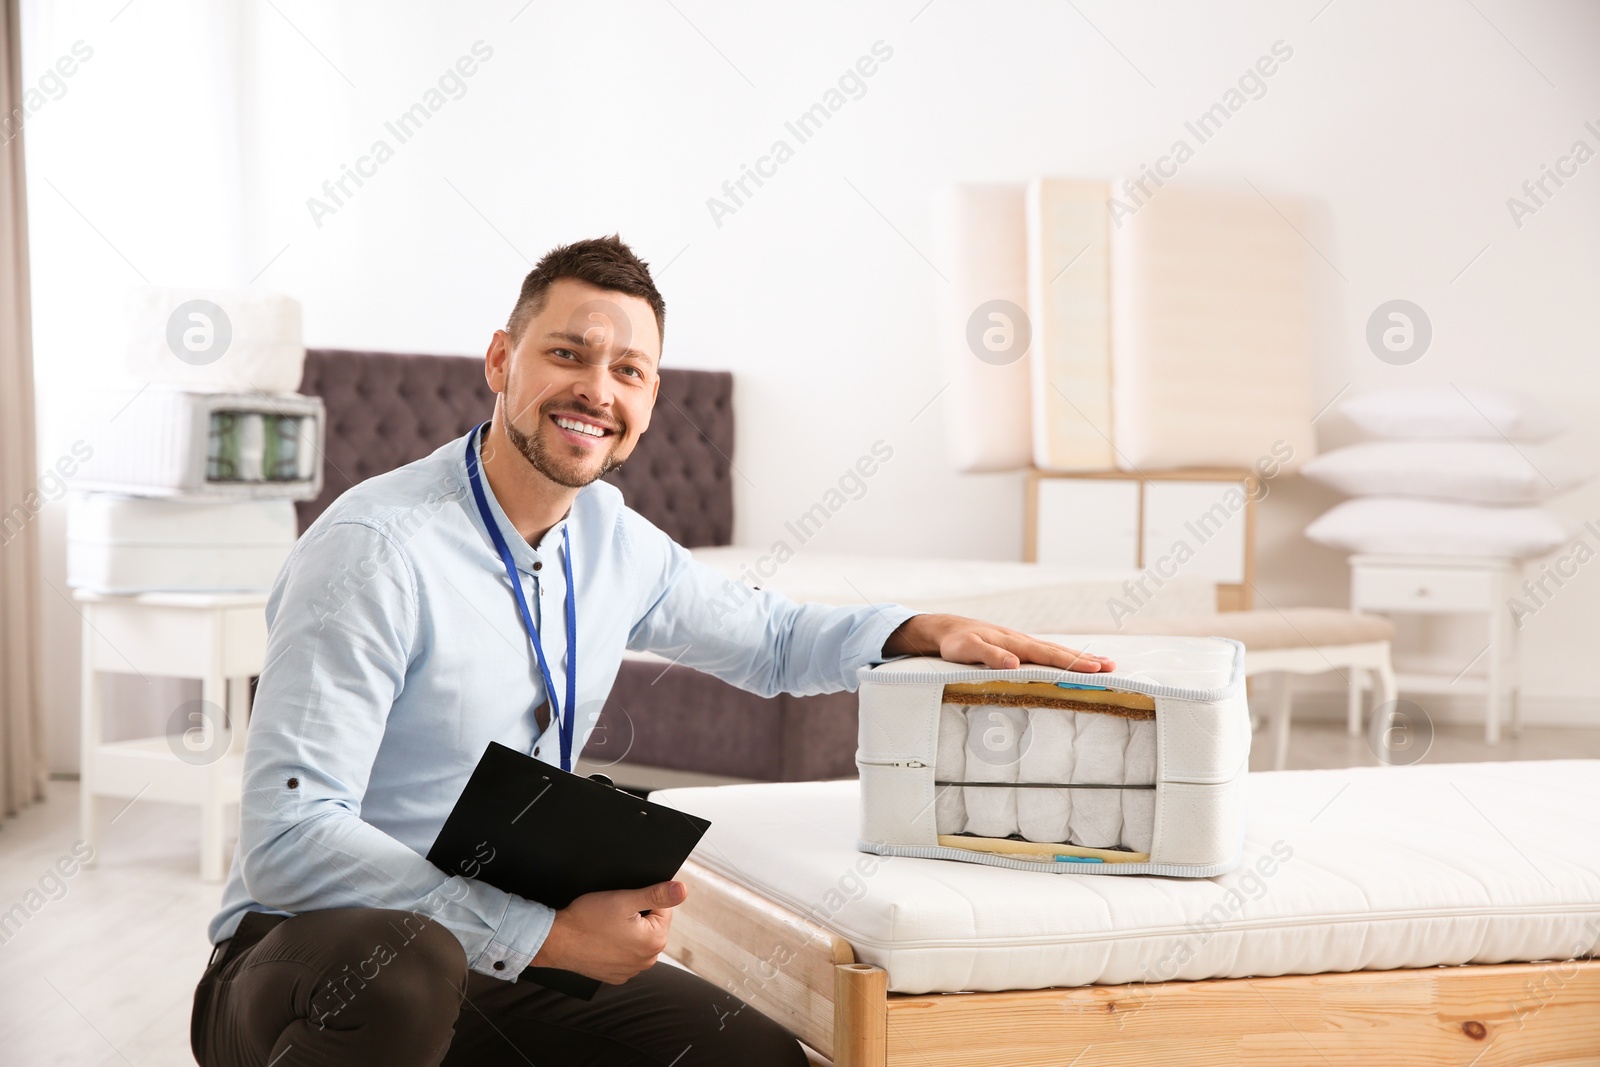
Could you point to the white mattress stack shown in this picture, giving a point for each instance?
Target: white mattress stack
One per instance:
(1451, 470)
(192, 485)
(1145, 779)
(1174, 335)
(979, 233)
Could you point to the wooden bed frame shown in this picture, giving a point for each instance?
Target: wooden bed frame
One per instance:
(807, 978)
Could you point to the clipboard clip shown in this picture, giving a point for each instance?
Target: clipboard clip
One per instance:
(603, 779)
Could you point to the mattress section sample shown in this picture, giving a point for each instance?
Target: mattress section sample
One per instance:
(1367, 868)
(226, 341)
(1073, 759)
(170, 443)
(1069, 300)
(1051, 755)
(1210, 328)
(983, 327)
(120, 545)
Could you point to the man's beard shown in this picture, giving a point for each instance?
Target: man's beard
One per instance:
(569, 473)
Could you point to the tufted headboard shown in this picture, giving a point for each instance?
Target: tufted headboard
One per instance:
(386, 409)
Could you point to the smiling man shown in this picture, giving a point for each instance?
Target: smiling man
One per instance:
(437, 608)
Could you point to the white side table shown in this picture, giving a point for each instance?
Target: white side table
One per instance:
(219, 638)
(1439, 585)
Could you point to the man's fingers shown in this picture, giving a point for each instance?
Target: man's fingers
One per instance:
(660, 895)
(972, 647)
(1070, 659)
(998, 648)
(999, 657)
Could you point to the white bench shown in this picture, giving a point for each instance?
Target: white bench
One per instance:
(1298, 641)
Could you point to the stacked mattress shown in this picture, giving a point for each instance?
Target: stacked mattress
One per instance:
(979, 233)
(241, 446)
(206, 446)
(1176, 335)
(1367, 868)
(119, 544)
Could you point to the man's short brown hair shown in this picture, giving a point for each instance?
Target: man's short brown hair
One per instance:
(603, 262)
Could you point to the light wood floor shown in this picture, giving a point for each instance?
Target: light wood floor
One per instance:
(105, 973)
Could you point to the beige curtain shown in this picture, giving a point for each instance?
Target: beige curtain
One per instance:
(22, 742)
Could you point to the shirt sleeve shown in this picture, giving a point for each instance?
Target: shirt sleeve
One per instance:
(756, 639)
(343, 619)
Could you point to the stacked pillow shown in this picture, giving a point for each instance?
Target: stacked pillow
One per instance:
(1454, 471)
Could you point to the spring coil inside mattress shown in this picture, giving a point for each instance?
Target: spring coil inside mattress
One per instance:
(1034, 761)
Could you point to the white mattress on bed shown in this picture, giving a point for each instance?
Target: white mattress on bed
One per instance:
(1344, 870)
(1033, 597)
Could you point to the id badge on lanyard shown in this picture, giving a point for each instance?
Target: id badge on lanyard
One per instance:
(566, 718)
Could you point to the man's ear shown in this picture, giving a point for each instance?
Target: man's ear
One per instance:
(497, 361)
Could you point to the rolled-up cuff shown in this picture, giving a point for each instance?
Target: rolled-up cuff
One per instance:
(516, 940)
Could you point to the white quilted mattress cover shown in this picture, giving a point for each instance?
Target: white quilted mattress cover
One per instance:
(1344, 870)
(1032, 597)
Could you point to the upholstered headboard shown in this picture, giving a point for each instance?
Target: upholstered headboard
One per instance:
(386, 409)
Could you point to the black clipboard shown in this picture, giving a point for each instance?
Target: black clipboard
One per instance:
(542, 833)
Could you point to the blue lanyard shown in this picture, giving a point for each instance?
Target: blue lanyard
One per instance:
(566, 724)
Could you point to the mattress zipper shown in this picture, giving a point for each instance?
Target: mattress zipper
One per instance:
(881, 762)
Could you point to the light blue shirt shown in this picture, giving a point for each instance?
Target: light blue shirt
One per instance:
(396, 654)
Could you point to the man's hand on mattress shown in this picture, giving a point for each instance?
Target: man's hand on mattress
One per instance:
(962, 640)
(612, 936)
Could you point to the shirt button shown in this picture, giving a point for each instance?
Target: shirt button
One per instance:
(499, 965)
(538, 566)
(294, 783)
(535, 750)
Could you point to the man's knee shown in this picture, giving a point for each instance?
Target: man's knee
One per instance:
(407, 970)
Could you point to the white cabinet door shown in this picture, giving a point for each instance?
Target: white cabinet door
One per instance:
(1088, 522)
(1202, 520)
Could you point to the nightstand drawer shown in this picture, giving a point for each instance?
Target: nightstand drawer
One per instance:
(1421, 589)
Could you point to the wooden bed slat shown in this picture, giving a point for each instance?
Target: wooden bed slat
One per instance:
(772, 959)
(1524, 1013)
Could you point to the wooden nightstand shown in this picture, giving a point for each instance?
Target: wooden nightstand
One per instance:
(1448, 585)
(219, 638)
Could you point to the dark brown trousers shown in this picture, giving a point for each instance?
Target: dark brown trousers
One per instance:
(368, 986)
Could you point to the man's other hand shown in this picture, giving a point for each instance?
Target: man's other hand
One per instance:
(614, 935)
(962, 640)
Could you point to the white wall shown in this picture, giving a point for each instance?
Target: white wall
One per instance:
(194, 137)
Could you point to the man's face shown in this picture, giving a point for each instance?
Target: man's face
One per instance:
(577, 390)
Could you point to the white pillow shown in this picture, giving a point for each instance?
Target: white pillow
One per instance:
(1478, 472)
(1451, 411)
(1391, 525)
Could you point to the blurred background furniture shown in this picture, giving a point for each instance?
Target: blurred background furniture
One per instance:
(219, 638)
(1450, 494)
(1439, 585)
(1136, 519)
(1285, 642)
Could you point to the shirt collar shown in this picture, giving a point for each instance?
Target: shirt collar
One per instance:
(522, 553)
